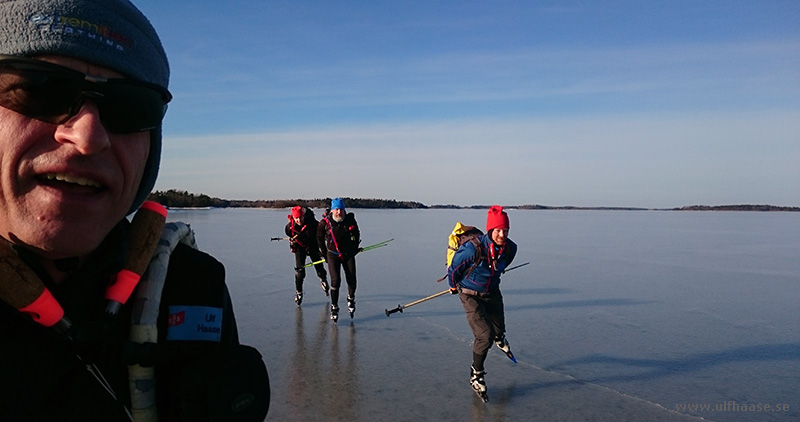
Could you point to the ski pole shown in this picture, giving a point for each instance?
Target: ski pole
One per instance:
(515, 267)
(280, 238)
(314, 263)
(504, 271)
(365, 248)
(400, 308)
(375, 246)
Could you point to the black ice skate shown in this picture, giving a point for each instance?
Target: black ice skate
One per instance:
(478, 384)
(503, 345)
(334, 313)
(351, 306)
(324, 284)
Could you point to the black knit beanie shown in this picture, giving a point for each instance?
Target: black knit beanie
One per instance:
(109, 33)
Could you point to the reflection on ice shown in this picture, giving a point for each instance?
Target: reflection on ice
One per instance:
(323, 361)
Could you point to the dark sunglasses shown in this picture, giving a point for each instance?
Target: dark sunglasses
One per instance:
(54, 94)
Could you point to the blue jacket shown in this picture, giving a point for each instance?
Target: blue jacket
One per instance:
(484, 277)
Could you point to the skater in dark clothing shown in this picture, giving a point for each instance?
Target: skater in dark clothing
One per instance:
(338, 237)
(302, 232)
(478, 287)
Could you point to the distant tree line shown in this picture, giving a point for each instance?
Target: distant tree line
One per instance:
(183, 199)
(746, 207)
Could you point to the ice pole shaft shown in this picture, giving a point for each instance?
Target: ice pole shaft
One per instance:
(145, 231)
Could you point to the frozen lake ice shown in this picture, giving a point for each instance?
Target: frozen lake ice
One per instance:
(621, 315)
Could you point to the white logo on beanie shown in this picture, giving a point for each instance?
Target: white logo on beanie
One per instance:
(79, 27)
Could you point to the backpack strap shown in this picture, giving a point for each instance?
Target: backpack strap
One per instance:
(296, 232)
(333, 237)
(145, 316)
(477, 257)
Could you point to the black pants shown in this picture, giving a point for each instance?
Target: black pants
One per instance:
(486, 318)
(335, 265)
(300, 269)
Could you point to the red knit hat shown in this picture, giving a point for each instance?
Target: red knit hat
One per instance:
(497, 219)
(297, 212)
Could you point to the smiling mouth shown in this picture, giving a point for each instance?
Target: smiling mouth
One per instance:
(64, 179)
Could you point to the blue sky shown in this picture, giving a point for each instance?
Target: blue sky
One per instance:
(584, 103)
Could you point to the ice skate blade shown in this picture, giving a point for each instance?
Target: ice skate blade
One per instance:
(481, 395)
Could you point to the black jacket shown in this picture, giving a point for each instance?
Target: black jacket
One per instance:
(305, 235)
(47, 377)
(341, 239)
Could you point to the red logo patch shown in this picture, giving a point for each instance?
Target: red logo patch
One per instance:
(176, 319)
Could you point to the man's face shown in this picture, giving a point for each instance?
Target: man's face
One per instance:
(499, 236)
(338, 214)
(64, 187)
